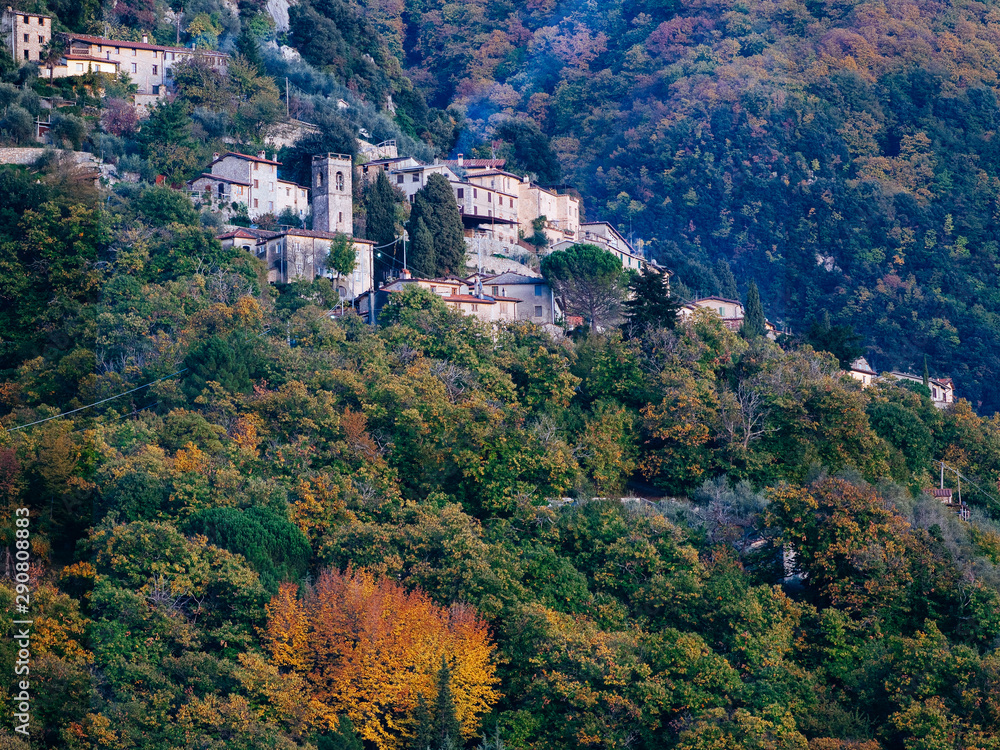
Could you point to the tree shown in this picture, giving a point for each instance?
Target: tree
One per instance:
(528, 150)
(447, 728)
(438, 248)
(374, 647)
(727, 282)
(343, 256)
(589, 280)
(651, 304)
(223, 360)
(381, 200)
(754, 323)
(840, 340)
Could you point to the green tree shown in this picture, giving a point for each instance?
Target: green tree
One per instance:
(528, 150)
(754, 323)
(438, 248)
(840, 340)
(423, 719)
(728, 287)
(590, 282)
(343, 256)
(218, 359)
(651, 305)
(447, 728)
(381, 200)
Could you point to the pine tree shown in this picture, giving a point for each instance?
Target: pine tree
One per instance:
(651, 305)
(446, 726)
(423, 736)
(380, 222)
(927, 374)
(435, 206)
(754, 323)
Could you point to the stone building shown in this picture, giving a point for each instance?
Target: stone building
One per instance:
(537, 302)
(251, 181)
(333, 199)
(25, 34)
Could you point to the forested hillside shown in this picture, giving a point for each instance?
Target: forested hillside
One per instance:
(840, 153)
(299, 532)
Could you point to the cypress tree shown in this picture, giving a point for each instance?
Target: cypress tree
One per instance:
(380, 221)
(651, 305)
(754, 323)
(927, 374)
(446, 726)
(422, 254)
(435, 205)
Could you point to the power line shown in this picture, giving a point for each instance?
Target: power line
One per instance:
(96, 403)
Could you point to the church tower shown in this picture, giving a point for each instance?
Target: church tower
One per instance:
(332, 204)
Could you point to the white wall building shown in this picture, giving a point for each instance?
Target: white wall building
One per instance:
(25, 35)
(251, 181)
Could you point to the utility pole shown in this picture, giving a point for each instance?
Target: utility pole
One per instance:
(371, 284)
(288, 108)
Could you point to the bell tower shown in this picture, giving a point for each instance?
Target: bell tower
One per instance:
(332, 201)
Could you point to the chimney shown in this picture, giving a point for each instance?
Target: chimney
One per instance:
(461, 159)
(405, 274)
(260, 155)
(145, 38)
(215, 156)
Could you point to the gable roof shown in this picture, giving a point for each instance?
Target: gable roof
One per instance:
(136, 45)
(238, 155)
(511, 278)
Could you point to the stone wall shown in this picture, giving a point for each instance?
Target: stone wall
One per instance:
(28, 156)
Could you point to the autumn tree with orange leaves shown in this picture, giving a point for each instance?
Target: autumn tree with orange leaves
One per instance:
(370, 650)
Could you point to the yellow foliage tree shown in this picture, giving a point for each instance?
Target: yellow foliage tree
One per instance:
(374, 648)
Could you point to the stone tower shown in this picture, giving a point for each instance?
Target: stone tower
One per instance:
(332, 204)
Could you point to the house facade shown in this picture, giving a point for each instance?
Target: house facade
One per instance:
(942, 389)
(251, 181)
(301, 254)
(458, 294)
(25, 35)
(862, 372)
(150, 66)
(536, 300)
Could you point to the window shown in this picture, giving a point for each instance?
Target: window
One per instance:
(539, 290)
(538, 311)
(489, 197)
(26, 19)
(319, 179)
(340, 180)
(79, 66)
(416, 178)
(461, 194)
(434, 290)
(340, 216)
(722, 311)
(255, 203)
(155, 70)
(288, 191)
(156, 89)
(256, 184)
(109, 55)
(495, 290)
(270, 205)
(475, 193)
(256, 166)
(399, 179)
(134, 68)
(135, 52)
(27, 37)
(41, 39)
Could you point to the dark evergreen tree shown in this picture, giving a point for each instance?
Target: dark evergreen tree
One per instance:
(727, 282)
(528, 150)
(248, 46)
(840, 340)
(651, 305)
(446, 726)
(754, 323)
(423, 734)
(439, 247)
(217, 359)
(380, 223)
(422, 257)
(344, 737)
